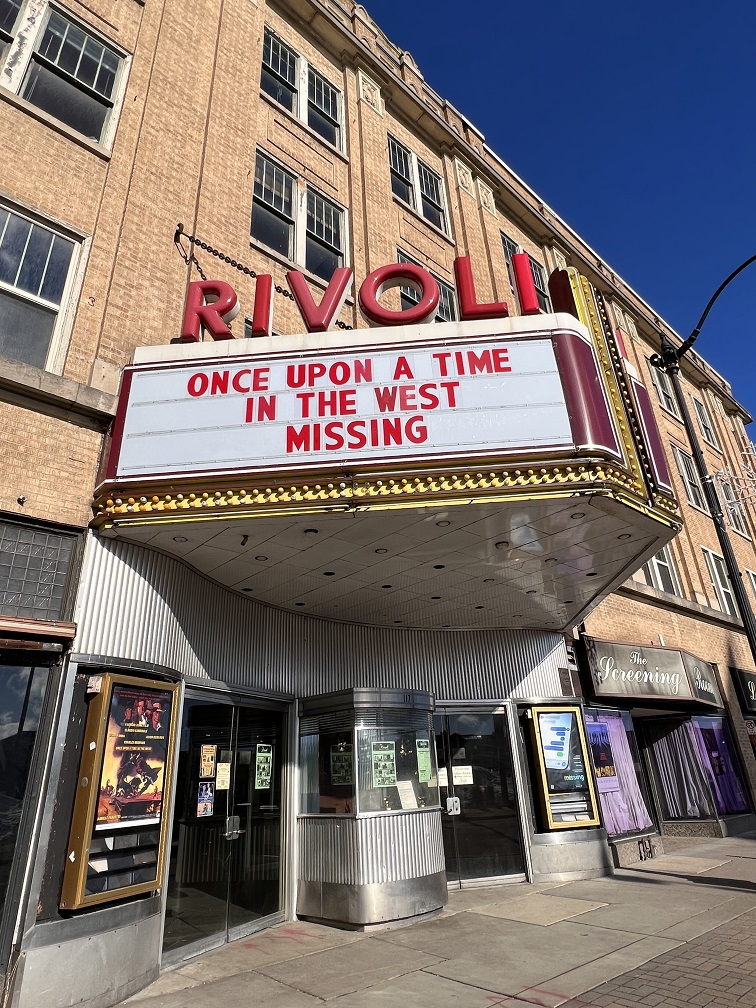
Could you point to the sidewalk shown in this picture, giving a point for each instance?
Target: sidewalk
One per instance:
(676, 931)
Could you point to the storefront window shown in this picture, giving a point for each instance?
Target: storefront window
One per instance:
(327, 770)
(715, 745)
(616, 762)
(676, 761)
(22, 691)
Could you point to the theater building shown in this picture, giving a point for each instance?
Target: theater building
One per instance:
(350, 546)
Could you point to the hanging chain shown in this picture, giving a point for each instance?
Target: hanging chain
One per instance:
(190, 259)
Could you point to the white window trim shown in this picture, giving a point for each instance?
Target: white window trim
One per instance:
(27, 34)
(518, 249)
(302, 95)
(61, 334)
(722, 591)
(752, 579)
(704, 423)
(734, 507)
(302, 187)
(688, 479)
(661, 380)
(417, 195)
(668, 561)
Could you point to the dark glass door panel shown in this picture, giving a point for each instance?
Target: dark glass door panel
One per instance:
(226, 848)
(487, 841)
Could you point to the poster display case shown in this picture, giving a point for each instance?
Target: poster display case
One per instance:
(116, 846)
(564, 772)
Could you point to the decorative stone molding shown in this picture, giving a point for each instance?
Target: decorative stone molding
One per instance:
(370, 93)
(464, 177)
(486, 197)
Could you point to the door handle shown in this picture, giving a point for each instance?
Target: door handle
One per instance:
(453, 806)
(232, 827)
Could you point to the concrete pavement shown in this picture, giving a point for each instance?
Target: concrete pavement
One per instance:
(675, 931)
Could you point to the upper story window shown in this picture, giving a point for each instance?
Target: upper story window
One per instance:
(540, 278)
(659, 572)
(302, 90)
(417, 185)
(65, 69)
(447, 303)
(35, 263)
(720, 582)
(704, 422)
(691, 480)
(734, 508)
(664, 389)
(293, 219)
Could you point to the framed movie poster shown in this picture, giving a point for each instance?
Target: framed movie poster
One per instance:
(117, 842)
(567, 792)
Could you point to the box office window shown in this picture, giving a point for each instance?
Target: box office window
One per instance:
(619, 776)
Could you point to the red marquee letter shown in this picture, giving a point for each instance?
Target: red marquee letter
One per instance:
(262, 313)
(210, 304)
(469, 309)
(526, 290)
(399, 275)
(320, 318)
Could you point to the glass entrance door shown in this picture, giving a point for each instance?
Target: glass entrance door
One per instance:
(225, 861)
(484, 840)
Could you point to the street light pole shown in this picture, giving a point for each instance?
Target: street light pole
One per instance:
(669, 362)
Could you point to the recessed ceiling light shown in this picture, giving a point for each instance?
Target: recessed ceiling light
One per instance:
(592, 574)
(531, 591)
(446, 626)
(435, 598)
(625, 535)
(502, 544)
(438, 566)
(386, 586)
(398, 621)
(578, 514)
(329, 573)
(443, 524)
(568, 601)
(247, 589)
(180, 539)
(381, 551)
(488, 580)
(299, 603)
(310, 532)
(479, 607)
(550, 560)
(244, 540)
(260, 557)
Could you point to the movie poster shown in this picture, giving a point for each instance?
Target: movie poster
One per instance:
(603, 757)
(133, 765)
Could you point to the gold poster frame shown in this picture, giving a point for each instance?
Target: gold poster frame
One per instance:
(73, 895)
(541, 764)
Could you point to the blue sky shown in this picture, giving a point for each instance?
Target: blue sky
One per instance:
(635, 122)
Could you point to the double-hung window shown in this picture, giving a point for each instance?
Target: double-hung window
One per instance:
(416, 184)
(664, 389)
(293, 219)
(447, 303)
(704, 422)
(734, 508)
(659, 572)
(35, 263)
(62, 67)
(720, 582)
(301, 89)
(691, 480)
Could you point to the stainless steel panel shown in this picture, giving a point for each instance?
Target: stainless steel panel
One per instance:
(141, 605)
(561, 859)
(365, 905)
(386, 848)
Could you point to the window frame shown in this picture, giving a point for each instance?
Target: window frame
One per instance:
(443, 285)
(64, 311)
(686, 467)
(304, 70)
(414, 182)
(19, 59)
(538, 271)
(733, 508)
(665, 392)
(663, 559)
(301, 190)
(704, 423)
(720, 583)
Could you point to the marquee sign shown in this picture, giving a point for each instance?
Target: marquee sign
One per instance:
(473, 394)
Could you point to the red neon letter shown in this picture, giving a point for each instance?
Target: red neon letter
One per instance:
(469, 309)
(262, 314)
(320, 318)
(399, 275)
(525, 284)
(210, 304)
